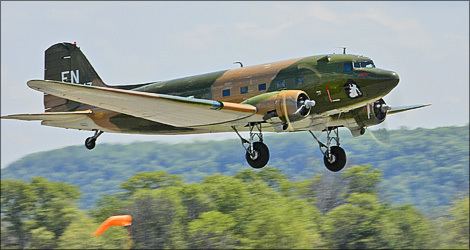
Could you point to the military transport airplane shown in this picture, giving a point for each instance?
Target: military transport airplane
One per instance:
(315, 93)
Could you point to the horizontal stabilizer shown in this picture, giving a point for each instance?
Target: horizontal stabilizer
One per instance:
(399, 109)
(168, 109)
(49, 116)
(82, 120)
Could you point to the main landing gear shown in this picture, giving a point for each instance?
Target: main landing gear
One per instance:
(334, 157)
(90, 142)
(257, 153)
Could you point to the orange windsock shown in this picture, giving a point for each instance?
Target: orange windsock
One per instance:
(118, 220)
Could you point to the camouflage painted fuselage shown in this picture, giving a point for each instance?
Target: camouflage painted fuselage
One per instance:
(325, 78)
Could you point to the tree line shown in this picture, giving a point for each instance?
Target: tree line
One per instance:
(424, 167)
(252, 209)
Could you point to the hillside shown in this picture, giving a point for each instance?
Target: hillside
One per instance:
(424, 167)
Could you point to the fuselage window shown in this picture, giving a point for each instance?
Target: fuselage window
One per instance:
(262, 87)
(281, 84)
(244, 90)
(226, 92)
(348, 67)
(299, 80)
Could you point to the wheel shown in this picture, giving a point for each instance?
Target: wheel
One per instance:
(362, 131)
(337, 161)
(260, 157)
(90, 143)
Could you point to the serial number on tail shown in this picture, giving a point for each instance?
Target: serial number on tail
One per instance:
(72, 76)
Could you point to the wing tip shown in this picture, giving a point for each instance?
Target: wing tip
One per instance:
(34, 83)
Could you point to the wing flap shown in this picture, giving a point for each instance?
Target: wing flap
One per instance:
(172, 110)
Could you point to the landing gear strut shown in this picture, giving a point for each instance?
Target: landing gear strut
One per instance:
(334, 157)
(257, 153)
(90, 142)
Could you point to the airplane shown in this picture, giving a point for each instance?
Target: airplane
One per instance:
(315, 93)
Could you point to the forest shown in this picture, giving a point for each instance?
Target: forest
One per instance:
(405, 188)
(252, 209)
(424, 167)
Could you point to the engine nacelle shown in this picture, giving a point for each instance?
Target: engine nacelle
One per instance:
(287, 105)
(372, 114)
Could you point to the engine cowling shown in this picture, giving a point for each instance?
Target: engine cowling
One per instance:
(287, 105)
(372, 114)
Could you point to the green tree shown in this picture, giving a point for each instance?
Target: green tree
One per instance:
(268, 219)
(158, 217)
(110, 205)
(212, 230)
(457, 227)
(362, 179)
(227, 193)
(150, 180)
(17, 200)
(54, 205)
(78, 235)
(41, 238)
(37, 213)
(196, 200)
(328, 190)
(405, 227)
(325, 191)
(356, 224)
(273, 177)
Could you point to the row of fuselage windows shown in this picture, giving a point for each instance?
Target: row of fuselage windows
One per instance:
(281, 84)
(244, 89)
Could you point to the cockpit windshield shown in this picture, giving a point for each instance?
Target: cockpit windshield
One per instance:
(364, 64)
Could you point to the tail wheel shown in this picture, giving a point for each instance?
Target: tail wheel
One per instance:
(259, 156)
(336, 159)
(90, 143)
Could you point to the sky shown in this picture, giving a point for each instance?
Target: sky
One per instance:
(427, 43)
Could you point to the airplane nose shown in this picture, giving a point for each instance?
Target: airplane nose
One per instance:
(393, 77)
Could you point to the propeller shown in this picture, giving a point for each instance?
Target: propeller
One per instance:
(381, 135)
(286, 115)
(304, 105)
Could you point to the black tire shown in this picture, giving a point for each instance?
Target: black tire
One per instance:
(339, 159)
(261, 155)
(90, 143)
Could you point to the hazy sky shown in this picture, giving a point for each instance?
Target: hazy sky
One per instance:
(427, 43)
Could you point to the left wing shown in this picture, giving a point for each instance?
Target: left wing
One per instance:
(172, 110)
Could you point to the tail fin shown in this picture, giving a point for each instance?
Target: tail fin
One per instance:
(65, 62)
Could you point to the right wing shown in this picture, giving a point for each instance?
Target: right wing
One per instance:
(172, 110)
(399, 109)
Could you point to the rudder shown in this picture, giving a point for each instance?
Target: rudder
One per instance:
(65, 62)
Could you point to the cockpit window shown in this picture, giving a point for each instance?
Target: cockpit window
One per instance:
(364, 64)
